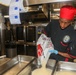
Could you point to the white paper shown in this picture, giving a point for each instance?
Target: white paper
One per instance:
(16, 7)
(46, 45)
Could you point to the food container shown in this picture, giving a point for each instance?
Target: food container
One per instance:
(50, 65)
(19, 65)
(3, 61)
(67, 68)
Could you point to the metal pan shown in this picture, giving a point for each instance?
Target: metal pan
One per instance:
(65, 68)
(16, 64)
(50, 65)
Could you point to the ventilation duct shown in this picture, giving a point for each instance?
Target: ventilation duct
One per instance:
(35, 2)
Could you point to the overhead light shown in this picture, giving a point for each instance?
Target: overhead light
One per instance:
(6, 16)
(57, 9)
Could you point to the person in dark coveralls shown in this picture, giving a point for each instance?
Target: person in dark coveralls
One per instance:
(63, 35)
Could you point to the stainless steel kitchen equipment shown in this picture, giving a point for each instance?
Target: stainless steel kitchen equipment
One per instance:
(50, 65)
(11, 49)
(27, 36)
(63, 67)
(2, 34)
(21, 48)
(31, 50)
(33, 32)
(3, 60)
(29, 32)
(17, 64)
(20, 33)
(29, 2)
(24, 65)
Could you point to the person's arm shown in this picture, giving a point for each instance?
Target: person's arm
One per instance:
(64, 54)
(61, 53)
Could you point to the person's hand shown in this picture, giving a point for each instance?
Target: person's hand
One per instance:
(53, 51)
